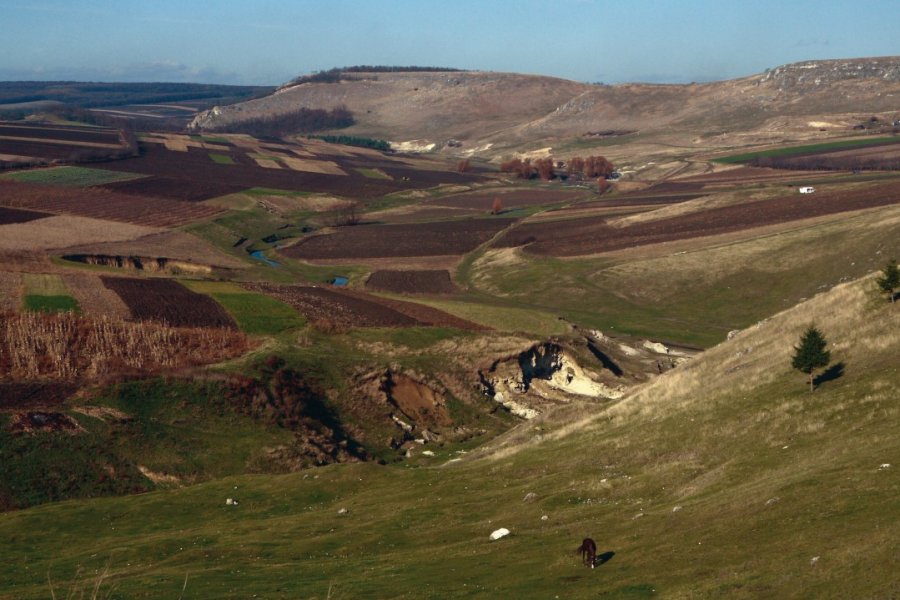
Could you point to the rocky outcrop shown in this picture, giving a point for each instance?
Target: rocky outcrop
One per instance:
(540, 376)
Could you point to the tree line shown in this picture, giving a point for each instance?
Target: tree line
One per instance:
(301, 120)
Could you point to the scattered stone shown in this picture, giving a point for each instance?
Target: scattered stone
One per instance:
(772, 501)
(885, 466)
(529, 497)
(676, 508)
(231, 502)
(499, 533)
(637, 516)
(427, 453)
(731, 334)
(343, 511)
(544, 517)
(814, 560)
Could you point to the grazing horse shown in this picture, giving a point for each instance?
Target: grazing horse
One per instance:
(588, 551)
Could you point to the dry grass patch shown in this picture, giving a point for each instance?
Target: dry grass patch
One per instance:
(175, 245)
(93, 298)
(64, 231)
(325, 167)
(10, 291)
(267, 163)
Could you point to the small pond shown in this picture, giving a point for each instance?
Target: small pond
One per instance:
(258, 255)
(341, 281)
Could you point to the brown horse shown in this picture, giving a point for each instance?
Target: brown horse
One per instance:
(588, 551)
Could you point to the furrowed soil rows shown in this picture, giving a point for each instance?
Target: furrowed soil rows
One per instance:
(595, 235)
(194, 165)
(103, 204)
(412, 282)
(176, 189)
(60, 132)
(9, 216)
(168, 301)
(374, 241)
(513, 199)
(346, 308)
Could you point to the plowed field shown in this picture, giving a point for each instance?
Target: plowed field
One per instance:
(195, 168)
(374, 241)
(346, 308)
(513, 199)
(103, 204)
(168, 301)
(9, 216)
(595, 235)
(412, 282)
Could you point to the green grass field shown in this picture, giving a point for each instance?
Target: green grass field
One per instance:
(809, 148)
(35, 303)
(693, 296)
(222, 159)
(47, 293)
(71, 176)
(724, 479)
(372, 173)
(255, 313)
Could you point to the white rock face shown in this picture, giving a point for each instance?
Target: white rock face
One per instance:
(499, 533)
(656, 347)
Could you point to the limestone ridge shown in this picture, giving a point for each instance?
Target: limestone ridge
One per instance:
(795, 76)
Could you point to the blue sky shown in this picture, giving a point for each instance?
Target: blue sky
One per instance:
(272, 41)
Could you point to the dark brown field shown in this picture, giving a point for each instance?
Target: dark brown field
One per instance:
(102, 204)
(167, 301)
(412, 282)
(91, 135)
(374, 241)
(195, 168)
(332, 307)
(594, 235)
(483, 200)
(18, 396)
(877, 157)
(9, 216)
(175, 189)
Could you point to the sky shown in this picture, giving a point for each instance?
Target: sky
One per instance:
(268, 42)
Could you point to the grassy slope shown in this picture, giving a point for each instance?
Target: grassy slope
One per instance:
(695, 295)
(171, 428)
(767, 475)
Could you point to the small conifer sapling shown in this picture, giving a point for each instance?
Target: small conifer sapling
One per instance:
(811, 354)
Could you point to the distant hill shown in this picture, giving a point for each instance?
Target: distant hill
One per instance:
(508, 110)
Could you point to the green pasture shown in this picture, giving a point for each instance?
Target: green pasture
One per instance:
(222, 159)
(708, 491)
(47, 293)
(255, 313)
(695, 296)
(372, 173)
(71, 176)
(807, 149)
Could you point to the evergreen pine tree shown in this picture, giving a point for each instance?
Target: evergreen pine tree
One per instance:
(890, 279)
(811, 353)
